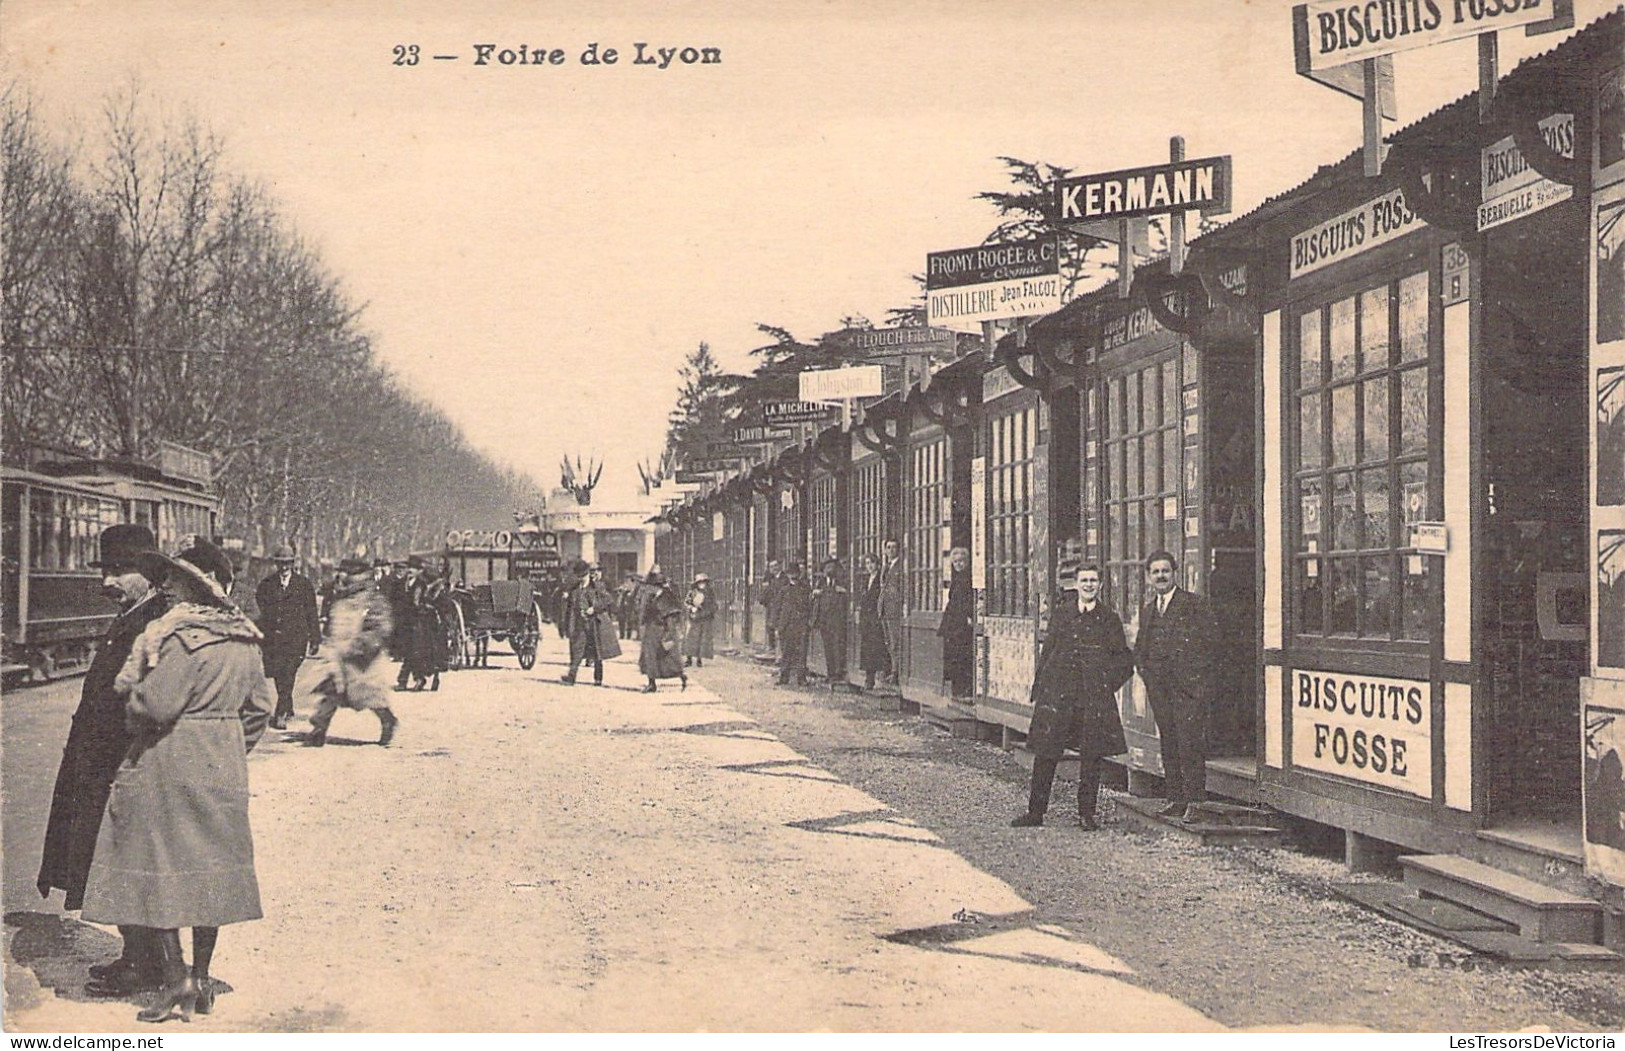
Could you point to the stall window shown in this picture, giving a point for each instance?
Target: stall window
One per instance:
(1362, 465)
(822, 515)
(928, 496)
(1011, 437)
(1142, 473)
(868, 512)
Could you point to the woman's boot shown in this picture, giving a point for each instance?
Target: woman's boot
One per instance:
(203, 939)
(179, 994)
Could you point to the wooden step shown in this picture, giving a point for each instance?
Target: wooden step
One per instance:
(1540, 913)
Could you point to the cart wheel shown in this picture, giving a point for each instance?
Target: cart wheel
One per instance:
(457, 643)
(525, 639)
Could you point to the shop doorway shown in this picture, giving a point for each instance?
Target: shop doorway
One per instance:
(1535, 414)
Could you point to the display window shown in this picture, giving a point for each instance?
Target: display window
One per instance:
(1141, 472)
(1362, 466)
(1011, 437)
(928, 520)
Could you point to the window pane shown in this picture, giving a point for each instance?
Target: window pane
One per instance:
(1311, 609)
(1170, 391)
(1413, 411)
(1310, 514)
(1150, 390)
(1342, 338)
(1345, 520)
(1153, 538)
(1374, 502)
(1374, 329)
(1375, 393)
(1413, 489)
(1132, 397)
(1344, 425)
(1413, 318)
(1132, 454)
(1117, 531)
(1343, 574)
(1416, 593)
(1309, 349)
(1170, 459)
(1309, 447)
(1377, 612)
(1153, 462)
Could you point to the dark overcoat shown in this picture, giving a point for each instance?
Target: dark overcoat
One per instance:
(288, 619)
(1175, 652)
(96, 745)
(958, 633)
(587, 611)
(872, 652)
(795, 608)
(659, 633)
(1080, 668)
(175, 848)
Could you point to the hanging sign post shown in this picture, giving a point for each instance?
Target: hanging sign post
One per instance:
(1350, 47)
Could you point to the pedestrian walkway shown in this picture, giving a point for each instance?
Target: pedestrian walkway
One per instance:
(535, 856)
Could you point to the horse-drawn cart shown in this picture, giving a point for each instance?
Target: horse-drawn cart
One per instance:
(501, 585)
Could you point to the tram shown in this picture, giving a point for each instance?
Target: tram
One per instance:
(53, 508)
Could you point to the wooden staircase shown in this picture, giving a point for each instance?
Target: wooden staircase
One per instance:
(1494, 912)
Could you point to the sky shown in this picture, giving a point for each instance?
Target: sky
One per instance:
(538, 247)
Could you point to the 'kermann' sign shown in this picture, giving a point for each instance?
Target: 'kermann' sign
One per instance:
(1179, 186)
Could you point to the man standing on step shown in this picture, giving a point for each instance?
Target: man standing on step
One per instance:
(1174, 651)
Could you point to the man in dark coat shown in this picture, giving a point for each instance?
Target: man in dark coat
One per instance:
(1082, 664)
(957, 629)
(1175, 652)
(892, 584)
(588, 625)
(772, 586)
(795, 622)
(292, 628)
(96, 745)
(403, 608)
(830, 603)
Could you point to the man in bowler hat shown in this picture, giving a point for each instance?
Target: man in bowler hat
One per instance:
(96, 745)
(287, 604)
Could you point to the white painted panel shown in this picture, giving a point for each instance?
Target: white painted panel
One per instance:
(1274, 472)
(1458, 746)
(1458, 502)
(1274, 747)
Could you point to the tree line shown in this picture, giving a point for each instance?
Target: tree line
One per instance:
(149, 292)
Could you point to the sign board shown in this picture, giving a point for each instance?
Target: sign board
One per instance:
(858, 381)
(479, 539)
(724, 463)
(902, 341)
(1511, 189)
(978, 523)
(1202, 184)
(775, 413)
(692, 478)
(1432, 537)
(528, 565)
(1364, 727)
(1332, 33)
(1358, 230)
(967, 286)
(760, 435)
(730, 450)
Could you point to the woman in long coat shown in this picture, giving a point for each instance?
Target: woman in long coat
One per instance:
(351, 670)
(957, 629)
(175, 848)
(1074, 696)
(873, 657)
(701, 607)
(426, 655)
(660, 629)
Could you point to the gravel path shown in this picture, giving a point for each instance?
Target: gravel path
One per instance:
(1249, 937)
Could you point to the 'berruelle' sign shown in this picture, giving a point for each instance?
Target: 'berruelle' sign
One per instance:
(1357, 230)
(1177, 186)
(967, 286)
(1371, 729)
(1330, 33)
(1510, 188)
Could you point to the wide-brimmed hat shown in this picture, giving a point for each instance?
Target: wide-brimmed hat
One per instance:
(202, 563)
(124, 545)
(283, 553)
